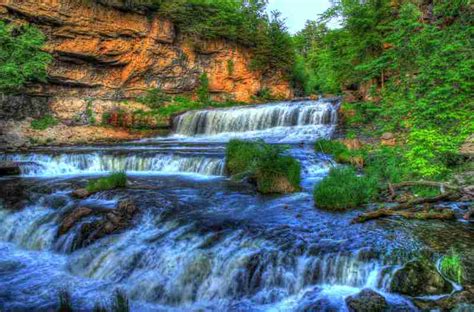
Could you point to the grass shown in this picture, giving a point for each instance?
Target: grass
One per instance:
(339, 152)
(263, 163)
(114, 180)
(342, 189)
(44, 123)
(451, 267)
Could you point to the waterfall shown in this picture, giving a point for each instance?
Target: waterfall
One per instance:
(286, 121)
(92, 163)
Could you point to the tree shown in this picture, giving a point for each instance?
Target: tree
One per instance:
(21, 58)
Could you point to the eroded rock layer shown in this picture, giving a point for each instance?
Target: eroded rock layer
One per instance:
(110, 54)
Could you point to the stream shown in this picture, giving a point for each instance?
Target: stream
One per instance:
(202, 242)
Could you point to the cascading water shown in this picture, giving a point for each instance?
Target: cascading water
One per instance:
(282, 122)
(196, 244)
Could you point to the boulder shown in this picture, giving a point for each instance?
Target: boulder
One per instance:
(388, 139)
(419, 277)
(352, 144)
(366, 301)
(72, 218)
(104, 222)
(460, 301)
(81, 193)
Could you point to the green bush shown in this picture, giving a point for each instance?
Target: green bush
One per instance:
(44, 123)
(343, 189)
(339, 152)
(154, 98)
(264, 164)
(21, 57)
(114, 180)
(203, 89)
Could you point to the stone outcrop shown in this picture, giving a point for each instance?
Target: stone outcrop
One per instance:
(107, 54)
(418, 278)
(367, 301)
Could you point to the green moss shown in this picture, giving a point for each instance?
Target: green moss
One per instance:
(121, 303)
(90, 112)
(343, 189)
(452, 268)
(339, 152)
(44, 123)
(263, 163)
(114, 180)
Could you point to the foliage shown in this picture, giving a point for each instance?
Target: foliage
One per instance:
(264, 95)
(343, 189)
(452, 268)
(415, 61)
(263, 163)
(244, 22)
(339, 152)
(65, 301)
(90, 112)
(114, 180)
(230, 67)
(154, 98)
(21, 58)
(121, 303)
(44, 122)
(203, 89)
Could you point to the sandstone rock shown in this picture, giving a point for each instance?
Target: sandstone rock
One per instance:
(72, 218)
(352, 144)
(419, 277)
(367, 301)
(110, 53)
(467, 149)
(388, 139)
(81, 193)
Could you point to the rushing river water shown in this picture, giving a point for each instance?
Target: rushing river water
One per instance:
(201, 242)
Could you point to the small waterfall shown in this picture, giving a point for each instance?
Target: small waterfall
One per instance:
(92, 163)
(300, 120)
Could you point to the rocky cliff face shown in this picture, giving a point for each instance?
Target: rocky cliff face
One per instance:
(107, 54)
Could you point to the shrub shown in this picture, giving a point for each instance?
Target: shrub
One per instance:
(451, 267)
(21, 57)
(114, 180)
(264, 164)
(203, 90)
(44, 123)
(154, 98)
(343, 189)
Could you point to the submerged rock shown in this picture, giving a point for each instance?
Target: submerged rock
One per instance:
(9, 168)
(367, 301)
(81, 193)
(103, 222)
(419, 277)
(460, 301)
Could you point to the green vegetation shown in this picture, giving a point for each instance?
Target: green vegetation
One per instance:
(44, 123)
(242, 22)
(203, 89)
(65, 301)
(411, 63)
(452, 268)
(113, 181)
(340, 152)
(90, 113)
(343, 189)
(21, 58)
(121, 303)
(263, 164)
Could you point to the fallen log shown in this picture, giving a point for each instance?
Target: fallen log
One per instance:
(400, 210)
(445, 214)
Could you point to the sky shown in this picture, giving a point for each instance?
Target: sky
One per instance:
(297, 12)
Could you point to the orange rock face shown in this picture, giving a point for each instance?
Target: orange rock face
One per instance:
(109, 54)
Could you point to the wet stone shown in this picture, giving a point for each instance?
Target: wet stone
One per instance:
(367, 301)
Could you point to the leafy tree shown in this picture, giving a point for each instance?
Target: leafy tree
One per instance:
(21, 57)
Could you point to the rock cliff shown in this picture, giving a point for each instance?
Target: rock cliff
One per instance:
(107, 54)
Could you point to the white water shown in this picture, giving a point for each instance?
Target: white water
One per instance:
(284, 122)
(45, 165)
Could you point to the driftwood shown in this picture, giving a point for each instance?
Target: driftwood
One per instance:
(409, 209)
(445, 214)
